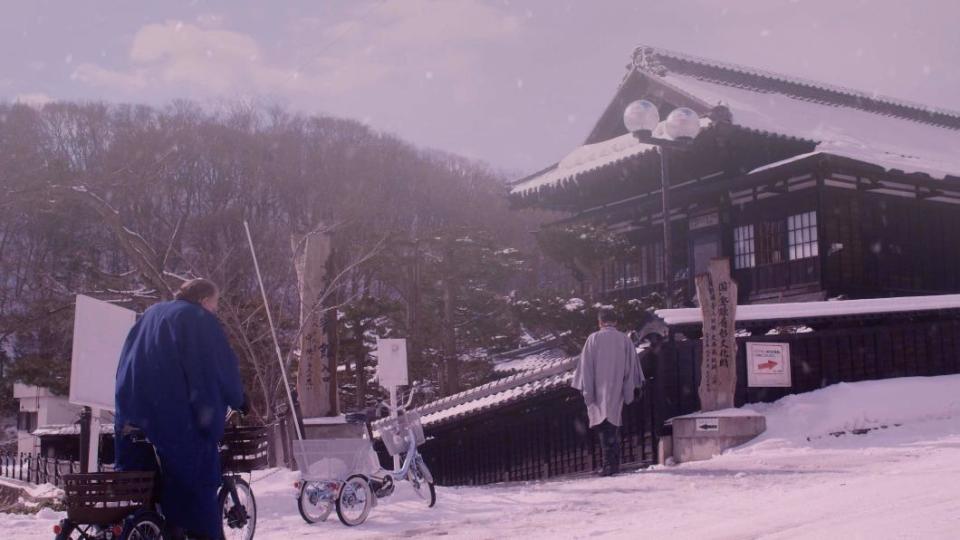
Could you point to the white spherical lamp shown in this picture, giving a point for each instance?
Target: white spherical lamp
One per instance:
(682, 123)
(641, 115)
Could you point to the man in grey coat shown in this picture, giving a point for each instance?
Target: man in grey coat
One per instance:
(607, 376)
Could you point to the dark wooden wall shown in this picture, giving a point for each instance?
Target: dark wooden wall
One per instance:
(880, 245)
(844, 353)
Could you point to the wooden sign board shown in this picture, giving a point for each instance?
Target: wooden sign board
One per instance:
(768, 365)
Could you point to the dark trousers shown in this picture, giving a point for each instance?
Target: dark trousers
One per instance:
(610, 444)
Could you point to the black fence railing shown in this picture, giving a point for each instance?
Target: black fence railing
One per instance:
(543, 437)
(36, 469)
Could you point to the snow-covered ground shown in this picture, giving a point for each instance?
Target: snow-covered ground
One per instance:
(809, 476)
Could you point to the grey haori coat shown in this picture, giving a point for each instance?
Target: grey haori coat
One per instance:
(607, 375)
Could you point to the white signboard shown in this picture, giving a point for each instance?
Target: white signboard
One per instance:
(768, 364)
(392, 362)
(99, 330)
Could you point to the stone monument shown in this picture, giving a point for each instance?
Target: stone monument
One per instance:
(718, 426)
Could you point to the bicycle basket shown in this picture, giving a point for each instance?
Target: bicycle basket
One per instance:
(106, 498)
(244, 449)
(393, 432)
(333, 459)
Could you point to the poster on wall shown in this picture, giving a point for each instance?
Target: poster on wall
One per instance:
(768, 365)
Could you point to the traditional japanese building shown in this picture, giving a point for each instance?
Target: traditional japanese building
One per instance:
(813, 191)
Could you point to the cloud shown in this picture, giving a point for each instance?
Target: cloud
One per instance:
(203, 61)
(412, 37)
(378, 41)
(94, 75)
(34, 99)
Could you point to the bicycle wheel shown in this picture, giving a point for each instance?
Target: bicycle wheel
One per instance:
(313, 503)
(144, 526)
(354, 501)
(65, 530)
(422, 482)
(240, 512)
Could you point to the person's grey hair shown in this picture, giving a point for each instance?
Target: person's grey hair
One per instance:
(196, 290)
(607, 316)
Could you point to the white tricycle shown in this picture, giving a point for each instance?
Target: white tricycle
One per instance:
(345, 473)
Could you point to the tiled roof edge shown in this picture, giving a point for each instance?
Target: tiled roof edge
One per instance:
(649, 59)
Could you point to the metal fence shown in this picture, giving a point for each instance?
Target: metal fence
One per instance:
(36, 469)
(543, 437)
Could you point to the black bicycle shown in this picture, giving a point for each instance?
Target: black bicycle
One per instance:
(243, 450)
(122, 505)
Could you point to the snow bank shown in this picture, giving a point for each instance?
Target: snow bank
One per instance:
(846, 407)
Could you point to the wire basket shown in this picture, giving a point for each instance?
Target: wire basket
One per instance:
(106, 498)
(333, 459)
(244, 449)
(393, 432)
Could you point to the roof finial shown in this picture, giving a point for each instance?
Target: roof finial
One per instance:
(645, 59)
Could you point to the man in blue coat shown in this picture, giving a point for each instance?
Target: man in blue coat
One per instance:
(176, 378)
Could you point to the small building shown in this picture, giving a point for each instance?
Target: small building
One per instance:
(813, 191)
(47, 425)
(40, 407)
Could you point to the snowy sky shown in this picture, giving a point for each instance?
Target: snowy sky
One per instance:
(516, 83)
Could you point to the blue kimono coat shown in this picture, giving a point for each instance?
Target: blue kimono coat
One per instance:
(177, 376)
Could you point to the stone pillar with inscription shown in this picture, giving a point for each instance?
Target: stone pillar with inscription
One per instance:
(717, 293)
(715, 428)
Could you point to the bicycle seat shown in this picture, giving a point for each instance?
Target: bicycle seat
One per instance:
(133, 434)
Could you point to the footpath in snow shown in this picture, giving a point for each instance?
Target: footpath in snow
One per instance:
(878, 459)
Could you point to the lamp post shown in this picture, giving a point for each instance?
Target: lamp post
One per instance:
(642, 118)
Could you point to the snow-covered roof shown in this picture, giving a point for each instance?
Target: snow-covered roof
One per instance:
(889, 141)
(69, 429)
(891, 133)
(549, 376)
(535, 355)
(830, 308)
(590, 157)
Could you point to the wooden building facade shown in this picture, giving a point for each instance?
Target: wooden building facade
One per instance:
(812, 191)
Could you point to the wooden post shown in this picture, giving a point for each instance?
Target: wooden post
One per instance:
(93, 450)
(85, 416)
(717, 294)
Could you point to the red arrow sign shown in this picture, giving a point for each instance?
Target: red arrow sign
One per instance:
(769, 364)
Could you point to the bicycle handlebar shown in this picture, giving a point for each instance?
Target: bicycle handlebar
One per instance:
(401, 407)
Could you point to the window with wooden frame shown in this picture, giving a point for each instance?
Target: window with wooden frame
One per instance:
(769, 242)
(27, 421)
(651, 263)
(744, 248)
(802, 236)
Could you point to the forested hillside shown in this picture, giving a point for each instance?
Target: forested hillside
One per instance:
(124, 202)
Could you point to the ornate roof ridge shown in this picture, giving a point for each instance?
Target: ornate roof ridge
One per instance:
(659, 62)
